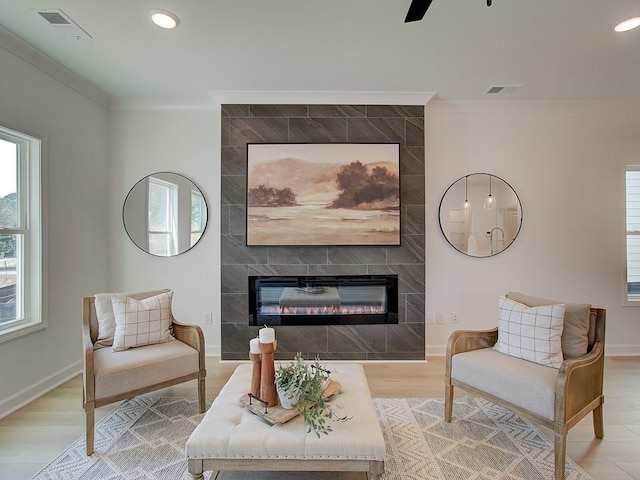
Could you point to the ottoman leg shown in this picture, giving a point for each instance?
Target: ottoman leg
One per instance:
(196, 469)
(376, 469)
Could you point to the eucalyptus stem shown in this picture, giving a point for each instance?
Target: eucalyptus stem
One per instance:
(307, 382)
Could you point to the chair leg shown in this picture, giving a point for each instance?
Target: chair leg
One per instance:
(448, 402)
(90, 419)
(560, 449)
(598, 422)
(201, 394)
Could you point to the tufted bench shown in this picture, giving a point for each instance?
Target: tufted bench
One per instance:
(230, 437)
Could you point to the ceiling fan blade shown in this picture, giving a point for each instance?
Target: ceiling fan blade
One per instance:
(417, 9)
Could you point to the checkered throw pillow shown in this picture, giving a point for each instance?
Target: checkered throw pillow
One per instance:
(141, 322)
(530, 333)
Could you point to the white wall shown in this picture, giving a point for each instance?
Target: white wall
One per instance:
(567, 163)
(145, 139)
(75, 132)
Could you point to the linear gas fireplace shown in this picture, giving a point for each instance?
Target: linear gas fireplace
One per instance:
(323, 300)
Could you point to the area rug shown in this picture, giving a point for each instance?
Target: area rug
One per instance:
(144, 439)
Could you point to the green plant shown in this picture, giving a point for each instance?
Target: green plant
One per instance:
(306, 383)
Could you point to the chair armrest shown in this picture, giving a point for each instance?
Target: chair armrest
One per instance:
(87, 358)
(466, 340)
(583, 377)
(191, 335)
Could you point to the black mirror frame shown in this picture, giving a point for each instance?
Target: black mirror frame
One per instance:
(206, 204)
(440, 213)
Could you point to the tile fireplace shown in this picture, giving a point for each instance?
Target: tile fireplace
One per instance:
(401, 336)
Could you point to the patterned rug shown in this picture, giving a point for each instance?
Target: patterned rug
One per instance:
(144, 439)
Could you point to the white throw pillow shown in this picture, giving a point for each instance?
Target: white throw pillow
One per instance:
(141, 322)
(106, 320)
(530, 333)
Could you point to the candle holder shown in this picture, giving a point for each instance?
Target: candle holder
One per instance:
(268, 374)
(256, 374)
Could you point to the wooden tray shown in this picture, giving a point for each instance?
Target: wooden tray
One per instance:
(278, 415)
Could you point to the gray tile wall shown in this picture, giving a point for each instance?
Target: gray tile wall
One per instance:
(242, 124)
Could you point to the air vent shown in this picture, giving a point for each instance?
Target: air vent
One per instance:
(54, 18)
(501, 89)
(62, 22)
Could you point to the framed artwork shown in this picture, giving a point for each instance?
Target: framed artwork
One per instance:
(323, 194)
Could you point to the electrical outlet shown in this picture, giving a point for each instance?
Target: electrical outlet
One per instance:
(208, 318)
(455, 318)
(440, 318)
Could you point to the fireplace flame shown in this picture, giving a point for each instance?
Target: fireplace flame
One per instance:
(323, 310)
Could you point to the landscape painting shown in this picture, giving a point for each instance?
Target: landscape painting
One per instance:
(323, 194)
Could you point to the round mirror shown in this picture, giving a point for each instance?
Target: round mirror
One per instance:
(480, 215)
(165, 214)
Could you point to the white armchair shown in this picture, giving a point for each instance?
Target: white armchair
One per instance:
(110, 376)
(556, 397)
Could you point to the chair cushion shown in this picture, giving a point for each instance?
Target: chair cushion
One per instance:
(524, 384)
(141, 322)
(120, 372)
(575, 333)
(530, 333)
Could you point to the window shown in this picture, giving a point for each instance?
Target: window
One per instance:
(20, 234)
(633, 234)
(198, 216)
(163, 217)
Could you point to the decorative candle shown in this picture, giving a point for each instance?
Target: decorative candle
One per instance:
(268, 371)
(256, 373)
(267, 335)
(254, 345)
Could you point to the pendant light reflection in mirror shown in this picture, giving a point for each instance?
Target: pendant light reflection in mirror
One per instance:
(481, 231)
(165, 214)
(490, 201)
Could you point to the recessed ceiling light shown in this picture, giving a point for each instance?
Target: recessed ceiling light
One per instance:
(165, 19)
(628, 24)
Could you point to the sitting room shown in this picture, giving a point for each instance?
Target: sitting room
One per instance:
(374, 183)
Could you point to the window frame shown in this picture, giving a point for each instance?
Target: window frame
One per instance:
(203, 217)
(31, 227)
(629, 299)
(171, 219)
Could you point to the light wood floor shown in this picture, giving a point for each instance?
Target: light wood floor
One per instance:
(37, 433)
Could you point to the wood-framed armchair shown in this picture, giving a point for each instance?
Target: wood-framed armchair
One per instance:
(556, 398)
(110, 376)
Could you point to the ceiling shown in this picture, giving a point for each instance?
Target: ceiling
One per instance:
(555, 49)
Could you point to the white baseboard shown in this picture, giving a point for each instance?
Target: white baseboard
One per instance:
(29, 394)
(609, 350)
(621, 350)
(213, 351)
(441, 351)
(436, 350)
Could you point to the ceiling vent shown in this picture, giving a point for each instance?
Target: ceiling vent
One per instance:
(62, 22)
(501, 89)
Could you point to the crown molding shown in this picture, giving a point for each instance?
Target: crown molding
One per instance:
(322, 98)
(31, 55)
(532, 106)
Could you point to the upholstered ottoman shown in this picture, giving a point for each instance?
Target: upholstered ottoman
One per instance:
(230, 437)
